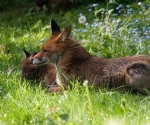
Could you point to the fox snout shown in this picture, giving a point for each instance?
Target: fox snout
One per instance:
(36, 60)
(39, 61)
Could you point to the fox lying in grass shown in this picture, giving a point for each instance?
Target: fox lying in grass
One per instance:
(73, 61)
(45, 74)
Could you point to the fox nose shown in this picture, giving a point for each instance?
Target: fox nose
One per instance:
(32, 58)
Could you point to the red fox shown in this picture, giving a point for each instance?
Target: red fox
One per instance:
(45, 74)
(73, 61)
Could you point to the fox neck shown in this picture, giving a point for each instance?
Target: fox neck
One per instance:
(74, 53)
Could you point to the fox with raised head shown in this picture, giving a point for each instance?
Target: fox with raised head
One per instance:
(73, 61)
(45, 73)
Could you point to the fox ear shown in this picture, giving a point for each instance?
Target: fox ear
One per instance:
(55, 29)
(27, 54)
(34, 53)
(66, 33)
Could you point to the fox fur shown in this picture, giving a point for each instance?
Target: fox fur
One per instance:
(74, 62)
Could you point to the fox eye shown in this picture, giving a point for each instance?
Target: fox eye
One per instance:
(45, 51)
(26, 71)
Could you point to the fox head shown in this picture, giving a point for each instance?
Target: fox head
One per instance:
(56, 45)
(29, 70)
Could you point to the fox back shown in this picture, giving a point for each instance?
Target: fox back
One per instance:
(45, 74)
(73, 61)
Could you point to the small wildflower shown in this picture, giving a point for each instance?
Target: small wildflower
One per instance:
(119, 11)
(90, 10)
(140, 12)
(85, 31)
(147, 37)
(112, 1)
(136, 29)
(139, 3)
(119, 30)
(82, 19)
(94, 5)
(94, 36)
(137, 21)
(118, 21)
(117, 8)
(100, 23)
(85, 83)
(5, 115)
(120, 5)
(95, 25)
(86, 24)
(113, 21)
(145, 13)
(116, 14)
(130, 11)
(80, 14)
(112, 122)
(102, 12)
(79, 30)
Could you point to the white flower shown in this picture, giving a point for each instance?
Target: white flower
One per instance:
(112, 1)
(85, 83)
(113, 122)
(82, 19)
(139, 3)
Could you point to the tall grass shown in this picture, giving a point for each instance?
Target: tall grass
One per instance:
(25, 102)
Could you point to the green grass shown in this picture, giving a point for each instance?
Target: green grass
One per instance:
(24, 102)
